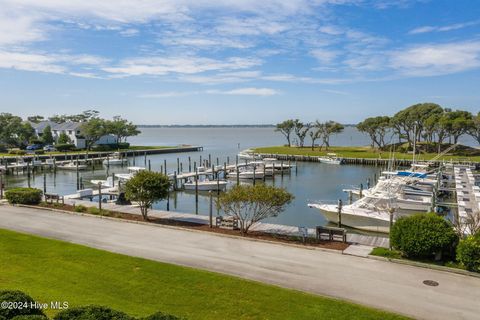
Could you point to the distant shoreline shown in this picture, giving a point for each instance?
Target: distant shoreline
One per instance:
(212, 126)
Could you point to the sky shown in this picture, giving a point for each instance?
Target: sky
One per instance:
(237, 61)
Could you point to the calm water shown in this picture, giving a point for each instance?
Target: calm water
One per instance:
(313, 181)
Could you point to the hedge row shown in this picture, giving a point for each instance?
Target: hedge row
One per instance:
(91, 312)
(24, 196)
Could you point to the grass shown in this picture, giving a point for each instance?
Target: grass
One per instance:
(357, 152)
(386, 253)
(51, 270)
(394, 254)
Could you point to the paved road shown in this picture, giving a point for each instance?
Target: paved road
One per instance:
(379, 284)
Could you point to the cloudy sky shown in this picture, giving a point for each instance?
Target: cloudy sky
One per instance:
(237, 61)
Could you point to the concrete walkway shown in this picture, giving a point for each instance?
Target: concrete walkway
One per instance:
(380, 284)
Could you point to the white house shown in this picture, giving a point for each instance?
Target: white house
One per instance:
(72, 130)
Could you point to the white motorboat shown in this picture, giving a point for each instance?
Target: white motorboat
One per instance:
(206, 185)
(132, 171)
(247, 155)
(249, 174)
(115, 160)
(73, 165)
(358, 218)
(104, 183)
(37, 163)
(331, 158)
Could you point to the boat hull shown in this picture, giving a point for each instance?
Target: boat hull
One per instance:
(356, 221)
(213, 186)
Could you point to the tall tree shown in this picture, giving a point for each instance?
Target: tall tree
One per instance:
(251, 204)
(121, 128)
(24, 133)
(13, 131)
(326, 129)
(376, 128)
(409, 122)
(63, 138)
(286, 128)
(47, 136)
(314, 136)
(457, 123)
(147, 187)
(301, 129)
(35, 119)
(93, 130)
(474, 128)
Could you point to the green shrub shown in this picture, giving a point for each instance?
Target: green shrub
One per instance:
(468, 252)
(104, 147)
(3, 148)
(161, 316)
(30, 317)
(17, 152)
(18, 297)
(91, 313)
(62, 147)
(80, 208)
(95, 210)
(386, 253)
(123, 145)
(423, 235)
(24, 196)
(39, 152)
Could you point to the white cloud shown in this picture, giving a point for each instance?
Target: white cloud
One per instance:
(158, 66)
(324, 55)
(29, 62)
(168, 94)
(264, 92)
(17, 29)
(248, 92)
(456, 26)
(130, 32)
(437, 59)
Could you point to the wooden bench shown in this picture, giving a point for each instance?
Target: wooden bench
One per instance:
(53, 196)
(227, 223)
(332, 233)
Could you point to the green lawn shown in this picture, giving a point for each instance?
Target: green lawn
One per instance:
(355, 152)
(51, 270)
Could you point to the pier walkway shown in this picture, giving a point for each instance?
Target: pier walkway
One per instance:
(388, 286)
(468, 199)
(369, 240)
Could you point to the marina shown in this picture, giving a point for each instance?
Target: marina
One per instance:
(196, 173)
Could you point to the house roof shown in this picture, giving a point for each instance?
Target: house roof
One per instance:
(56, 126)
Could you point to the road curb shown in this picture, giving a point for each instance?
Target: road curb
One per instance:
(425, 266)
(182, 229)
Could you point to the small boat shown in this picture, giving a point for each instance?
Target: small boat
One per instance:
(115, 160)
(247, 155)
(37, 163)
(206, 185)
(49, 162)
(249, 174)
(104, 183)
(131, 172)
(73, 165)
(331, 158)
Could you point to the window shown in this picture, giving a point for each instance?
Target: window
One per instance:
(69, 131)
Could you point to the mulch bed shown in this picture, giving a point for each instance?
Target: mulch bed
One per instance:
(310, 242)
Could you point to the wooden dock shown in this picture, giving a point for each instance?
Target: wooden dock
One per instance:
(358, 161)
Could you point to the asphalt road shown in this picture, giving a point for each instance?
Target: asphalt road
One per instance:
(383, 285)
